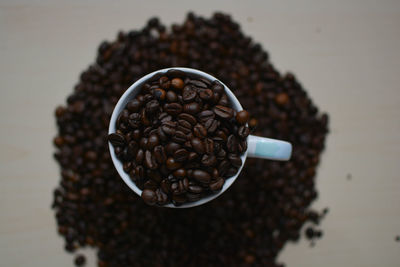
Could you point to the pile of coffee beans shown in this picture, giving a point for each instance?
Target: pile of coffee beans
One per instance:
(179, 138)
(246, 226)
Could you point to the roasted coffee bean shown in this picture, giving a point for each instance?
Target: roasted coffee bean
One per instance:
(192, 197)
(173, 108)
(232, 143)
(165, 186)
(206, 94)
(206, 115)
(181, 155)
(136, 134)
(139, 156)
(171, 147)
(171, 96)
(191, 108)
(198, 83)
(162, 198)
(242, 146)
(149, 161)
(223, 112)
(235, 160)
(80, 260)
(164, 82)
(180, 173)
(151, 185)
(159, 94)
(134, 120)
(223, 167)
(172, 164)
(195, 189)
(242, 116)
(200, 131)
(152, 107)
(149, 196)
(187, 117)
(201, 176)
(177, 83)
(133, 105)
(197, 145)
(159, 154)
(192, 156)
(243, 132)
(231, 172)
(185, 124)
(143, 142)
(217, 185)
(211, 125)
(116, 139)
(168, 127)
(209, 146)
(179, 137)
(188, 94)
(174, 73)
(208, 160)
(224, 101)
(153, 141)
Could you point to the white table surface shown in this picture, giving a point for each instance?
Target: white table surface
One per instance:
(346, 53)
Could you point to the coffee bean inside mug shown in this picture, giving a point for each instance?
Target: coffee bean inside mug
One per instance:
(179, 139)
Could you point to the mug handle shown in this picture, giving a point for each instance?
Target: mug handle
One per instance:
(267, 148)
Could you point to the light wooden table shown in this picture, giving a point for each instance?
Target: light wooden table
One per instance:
(346, 53)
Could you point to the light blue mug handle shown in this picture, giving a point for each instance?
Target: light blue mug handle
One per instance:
(267, 148)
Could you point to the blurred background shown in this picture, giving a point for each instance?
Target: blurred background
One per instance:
(345, 53)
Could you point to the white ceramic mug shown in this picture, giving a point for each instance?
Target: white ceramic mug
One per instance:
(258, 147)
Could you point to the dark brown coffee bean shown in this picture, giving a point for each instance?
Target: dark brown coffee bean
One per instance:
(177, 83)
(201, 176)
(187, 117)
(179, 137)
(152, 107)
(206, 115)
(143, 142)
(162, 135)
(149, 197)
(185, 124)
(127, 166)
(243, 132)
(116, 139)
(151, 185)
(223, 112)
(232, 143)
(192, 197)
(164, 82)
(195, 189)
(206, 94)
(168, 127)
(217, 185)
(208, 160)
(171, 96)
(221, 154)
(173, 108)
(242, 117)
(223, 167)
(172, 164)
(165, 186)
(139, 156)
(80, 260)
(134, 120)
(153, 141)
(133, 105)
(159, 154)
(209, 146)
(162, 198)
(179, 173)
(200, 131)
(231, 172)
(224, 101)
(149, 161)
(211, 125)
(235, 160)
(181, 155)
(198, 83)
(192, 156)
(191, 108)
(242, 146)
(218, 87)
(197, 145)
(179, 199)
(171, 147)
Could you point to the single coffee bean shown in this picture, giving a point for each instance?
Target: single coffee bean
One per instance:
(180, 173)
(223, 112)
(192, 197)
(154, 175)
(218, 87)
(173, 108)
(171, 96)
(162, 135)
(174, 73)
(165, 186)
(134, 120)
(217, 185)
(206, 115)
(188, 94)
(192, 156)
(179, 137)
(211, 125)
(149, 196)
(149, 160)
(201, 176)
(153, 141)
(80, 260)
(198, 83)
(152, 107)
(159, 94)
(224, 101)
(231, 143)
(159, 154)
(187, 117)
(181, 155)
(185, 124)
(172, 164)
(133, 105)
(206, 94)
(164, 82)
(139, 156)
(183, 129)
(197, 145)
(143, 142)
(200, 131)
(231, 172)
(168, 127)
(162, 198)
(191, 108)
(171, 147)
(243, 132)
(116, 139)
(195, 189)
(235, 160)
(177, 83)
(242, 117)
(208, 160)
(223, 167)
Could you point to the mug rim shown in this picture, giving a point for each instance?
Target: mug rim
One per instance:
(130, 93)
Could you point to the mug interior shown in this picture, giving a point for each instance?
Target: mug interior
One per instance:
(130, 94)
